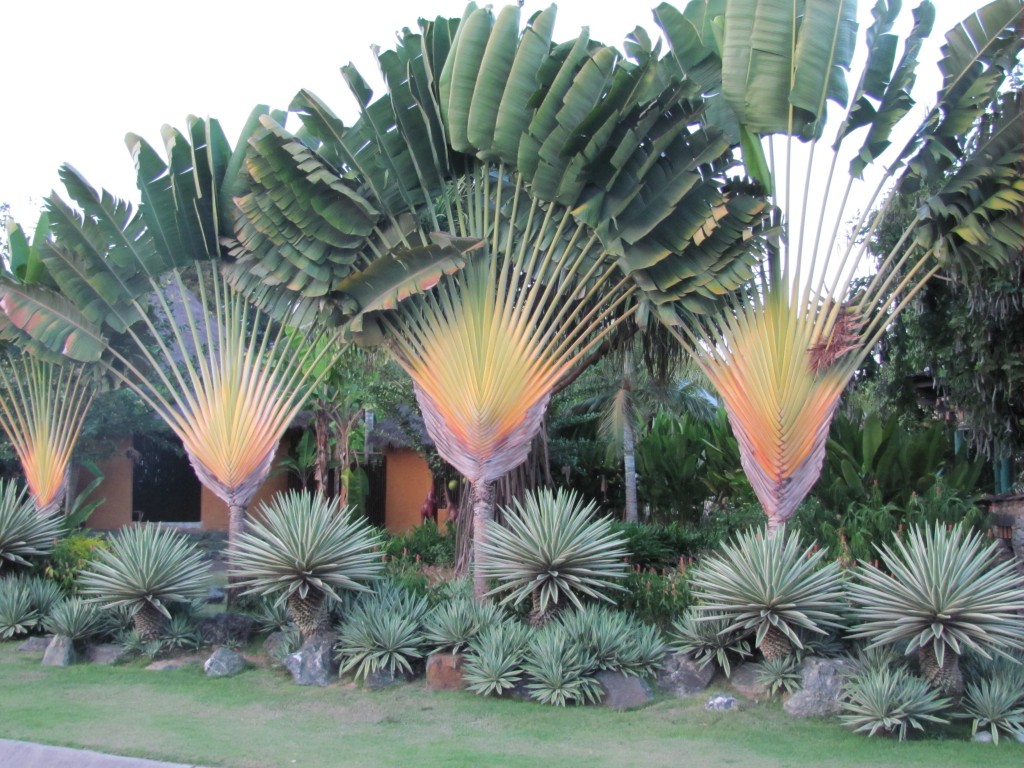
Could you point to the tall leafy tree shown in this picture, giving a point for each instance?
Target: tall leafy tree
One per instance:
(579, 184)
(782, 353)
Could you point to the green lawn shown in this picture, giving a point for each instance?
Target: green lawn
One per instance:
(260, 718)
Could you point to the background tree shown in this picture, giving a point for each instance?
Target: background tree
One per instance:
(578, 184)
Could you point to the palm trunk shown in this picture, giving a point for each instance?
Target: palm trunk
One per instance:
(236, 527)
(321, 428)
(629, 470)
(483, 513)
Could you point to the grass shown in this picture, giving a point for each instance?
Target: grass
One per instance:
(259, 718)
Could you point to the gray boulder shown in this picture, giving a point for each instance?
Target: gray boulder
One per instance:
(744, 680)
(721, 702)
(224, 663)
(36, 643)
(313, 663)
(104, 653)
(216, 595)
(382, 678)
(169, 665)
(681, 676)
(821, 688)
(619, 691)
(60, 652)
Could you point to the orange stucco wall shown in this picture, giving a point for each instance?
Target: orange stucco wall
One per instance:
(214, 512)
(115, 490)
(408, 483)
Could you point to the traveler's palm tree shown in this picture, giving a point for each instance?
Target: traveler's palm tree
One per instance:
(782, 353)
(577, 185)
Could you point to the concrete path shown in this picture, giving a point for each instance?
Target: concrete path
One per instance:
(23, 754)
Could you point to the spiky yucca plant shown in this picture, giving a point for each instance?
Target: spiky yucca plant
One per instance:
(383, 632)
(494, 663)
(770, 586)
(74, 618)
(708, 641)
(997, 704)
(145, 569)
(615, 641)
(553, 551)
(17, 614)
(452, 625)
(23, 532)
(941, 592)
(889, 699)
(306, 549)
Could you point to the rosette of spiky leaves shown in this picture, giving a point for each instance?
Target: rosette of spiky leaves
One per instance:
(614, 640)
(23, 532)
(709, 641)
(889, 700)
(383, 631)
(43, 592)
(495, 658)
(771, 586)
(306, 549)
(942, 591)
(553, 551)
(997, 704)
(146, 568)
(781, 674)
(42, 408)
(559, 669)
(17, 614)
(452, 625)
(74, 618)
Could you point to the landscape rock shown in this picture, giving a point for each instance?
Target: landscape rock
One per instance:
(982, 737)
(721, 702)
(313, 663)
(216, 595)
(104, 653)
(680, 675)
(36, 643)
(744, 680)
(60, 652)
(620, 691)
(224, 663)
(274, 641)
(227, 629)
(382, 678)
(444, 672)
(167, 665)
(821, 688)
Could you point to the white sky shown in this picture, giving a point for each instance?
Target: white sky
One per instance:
(78, 75)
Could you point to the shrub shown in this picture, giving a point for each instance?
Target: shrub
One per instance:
(656, 597)
(425, 544)
(709, 641)
(495, 657)
(770, 586)
(145, 569)
(942, 592)
(70, 556)
(383, 631)
(74, 618)
(23, 532)
(306, 550)
(887, 700)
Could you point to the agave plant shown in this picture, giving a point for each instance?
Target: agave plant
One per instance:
(614, 640)
(782, 353)
(74, 618)
(996, 704)
(17, 614)
(306, 549)
(559, 669)
(770, 586)
(452, 625)
(145, 569)
(43, 592)
(495, 658)
(23, 532)
(552, 551)
(383, 632)
(709, 641)
(888, 700)
(942, 591)
(781, 674)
